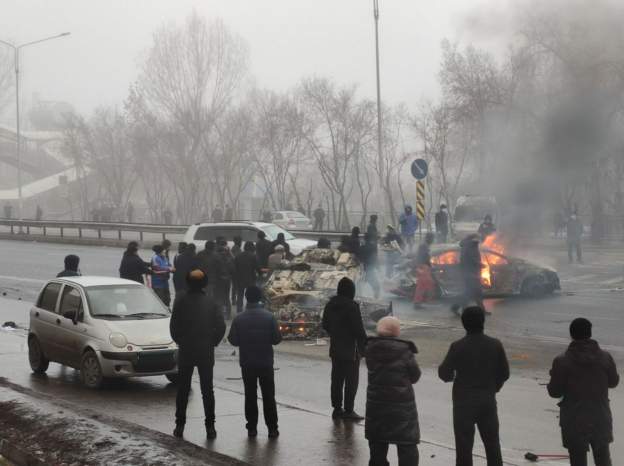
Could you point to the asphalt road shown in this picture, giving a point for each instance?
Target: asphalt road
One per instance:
(528, 416)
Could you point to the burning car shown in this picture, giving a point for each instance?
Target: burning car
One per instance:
(297, 294)
(501, 275)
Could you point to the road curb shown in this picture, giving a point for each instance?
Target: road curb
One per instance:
(18, 456)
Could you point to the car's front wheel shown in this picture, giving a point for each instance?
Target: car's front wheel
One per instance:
(38, 362)
(533, 287)
(90, 370)
(173, 378)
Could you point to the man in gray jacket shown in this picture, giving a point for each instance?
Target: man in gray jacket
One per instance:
(582, 377)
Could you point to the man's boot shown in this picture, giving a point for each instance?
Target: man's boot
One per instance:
(179, 429)
(211, 433)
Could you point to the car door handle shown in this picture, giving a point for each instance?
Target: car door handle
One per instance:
(58, 321)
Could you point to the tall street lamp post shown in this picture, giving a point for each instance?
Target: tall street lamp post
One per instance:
(16, 55)
(379, 144)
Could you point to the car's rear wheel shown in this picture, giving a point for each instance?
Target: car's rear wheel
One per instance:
(173, 378)
(38, 362)
(90, 370)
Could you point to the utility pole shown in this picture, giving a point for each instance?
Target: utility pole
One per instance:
(18, 139)
(379, 144)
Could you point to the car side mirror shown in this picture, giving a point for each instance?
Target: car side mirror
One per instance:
(71, 315)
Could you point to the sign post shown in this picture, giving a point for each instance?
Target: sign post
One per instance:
(419, 171)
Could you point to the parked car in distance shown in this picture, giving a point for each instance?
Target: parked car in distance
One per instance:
(248, 231)
(102, 326)
(292, 220)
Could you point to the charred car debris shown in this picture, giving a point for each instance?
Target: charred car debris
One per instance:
(501, 275)
(297, 293)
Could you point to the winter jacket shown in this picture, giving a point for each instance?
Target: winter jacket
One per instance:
(225, 265)
(264, 248)
(160, 264)
(470, 259)
(409, 224)
(368, 255)
(574, 230)
(276, 243)
(245, 269)
(486, 229)
(391, 415)
(255, 331)
(342, 319)
(478, 366)
(133, 268)
(372, 232)
(207, 262)
(236, 250)
(183, 264)
(582, 377)
(442, 222)
(197, 326)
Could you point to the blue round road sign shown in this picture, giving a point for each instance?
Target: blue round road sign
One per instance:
(419, 169)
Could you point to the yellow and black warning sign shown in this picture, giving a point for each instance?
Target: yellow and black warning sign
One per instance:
(420, 200)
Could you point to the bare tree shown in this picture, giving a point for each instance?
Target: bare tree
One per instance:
(188, 81)
(279, 125)
(340, 127)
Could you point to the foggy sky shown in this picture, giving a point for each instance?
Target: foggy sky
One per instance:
(288, 39)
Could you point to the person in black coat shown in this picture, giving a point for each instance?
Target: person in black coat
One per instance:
(442, 224)
(255, 332)
(582, 377)
(281, 240)
(391, 415)
(245, 273)
(184, 263)
(264, 248)
(371, 229)
(478, 367)
(71, 269)
(197, 326)
(207, 261)
(368, 258)
(342, 319)
(224, 274)
(470, 266)
(353, 244)
(132, 267)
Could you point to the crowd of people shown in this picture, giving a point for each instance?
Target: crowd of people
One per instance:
(208, 283)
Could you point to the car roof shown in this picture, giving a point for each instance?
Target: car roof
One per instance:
(239, 223)
(288, 212)
(442, 248)
(88, 281)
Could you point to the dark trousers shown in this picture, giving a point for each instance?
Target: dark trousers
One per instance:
(601, 453)
(472, 293)
(485, 416)
(252, 377)
(222, 296)
(370, 276)
(408, 454)
(345, 375)
(164, 294)
(318, 224)
(185, 375)
(572, 247)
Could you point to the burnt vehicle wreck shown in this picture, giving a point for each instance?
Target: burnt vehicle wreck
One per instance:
(501, 275)
(297, 293)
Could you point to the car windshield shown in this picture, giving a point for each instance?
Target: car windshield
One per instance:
(273, 230)
(124, 302)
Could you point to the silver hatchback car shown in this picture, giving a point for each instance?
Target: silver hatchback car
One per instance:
(102, 326)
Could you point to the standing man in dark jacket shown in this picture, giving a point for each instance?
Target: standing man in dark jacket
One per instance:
(132, 267)
(207, 261)
(319, 217)
(342, 319)
(582, 377)
(391, 415)
(353, 243)
(371, 229)
(256, 331)
(281, 240)
(470, 266)
(224, 274)
(574, 234)
(442, 224)
(368, 257)
(184, 263)
(197, 326)
(264, 248)
(478, 367)
(71, 269)
(245, 273)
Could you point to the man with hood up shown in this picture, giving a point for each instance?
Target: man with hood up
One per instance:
(71, 267)
(478, 367)
(582, 377)
(342, 319)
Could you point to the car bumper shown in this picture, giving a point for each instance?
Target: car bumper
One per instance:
(138, 363)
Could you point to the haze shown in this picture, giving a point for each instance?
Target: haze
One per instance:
(288, 40)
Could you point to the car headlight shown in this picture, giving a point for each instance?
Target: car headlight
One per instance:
(118, 340)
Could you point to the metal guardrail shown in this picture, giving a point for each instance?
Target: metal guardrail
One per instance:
(58, 228)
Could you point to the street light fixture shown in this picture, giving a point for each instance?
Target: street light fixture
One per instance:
(379, 145)
(16, 53)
